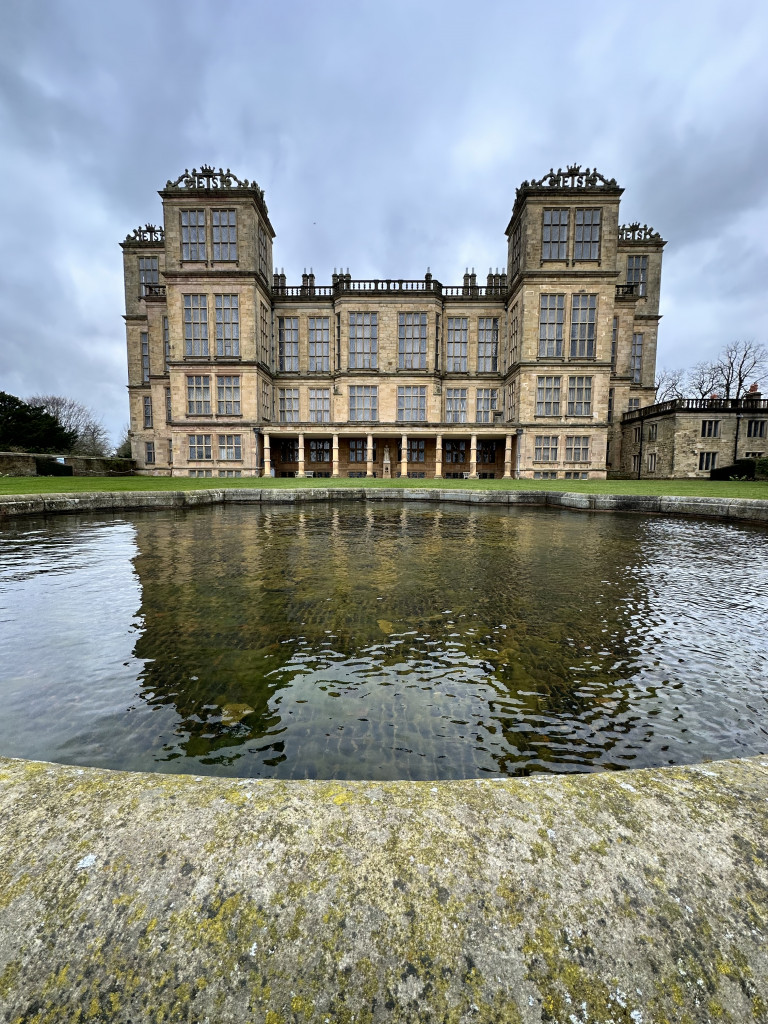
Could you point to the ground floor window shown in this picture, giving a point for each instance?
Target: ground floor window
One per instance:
(576, 476)
(199, 447)
(486, 452)
(319, 451)
(289, 451)
(149, 453)
(455, 451)
(415, 451)
(230, 446)
(707, 460)
(230, 472)
(577, 448)
(358, 450)
(201, 472)
(544, 474)
(545, 448)
(651, 462)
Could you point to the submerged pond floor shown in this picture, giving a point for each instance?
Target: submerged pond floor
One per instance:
(375, 641)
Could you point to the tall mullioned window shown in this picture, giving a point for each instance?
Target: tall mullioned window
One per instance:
(545, 448)
(363, 341)
(363, 402)
(166, 344)
(199, 395)
(710, 428)
(199, 447)
(288, 405)
(756, 428)
(231, 446)
(456, 351)
(487, 344)
(554, 235)
(319, 344)
(148, 273)
(614, 341)
(149, 452)
(636, 358)
(586, 244)
(193, 234)
(551, 318)
(579, 396)
(263, 252)
(144, 356)
(288, 343)
(227, 325)
(319, 450)
(168, 410)
(147, 412)
(707, 461)
(415, 450)
(516, 255)
(583, 316)
(455, 405)
(412, 341)
(577, 449)
(637, 273)
(228, 395)
(195, 325)
(455, 451)
(264, 334)
(514, 336)
(266, 401)
(548, 396)
(411, 404)
(319, 405)
(224, 230)
(358, 450)
(487, 403)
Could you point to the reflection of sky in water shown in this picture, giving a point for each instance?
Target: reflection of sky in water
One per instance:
(375, 641)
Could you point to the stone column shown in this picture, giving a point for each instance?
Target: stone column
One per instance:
(335, 455)
(404, 456)
(439, 457)
(508, 457)
(369, 455)
(301, 455)
(473, 458)
(267, 456)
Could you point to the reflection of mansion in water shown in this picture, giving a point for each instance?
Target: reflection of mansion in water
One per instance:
(233, 372)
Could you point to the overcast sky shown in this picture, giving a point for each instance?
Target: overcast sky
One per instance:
(388, 136)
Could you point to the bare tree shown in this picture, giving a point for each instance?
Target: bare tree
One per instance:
(740, 364)
(670, 384)
(702, 381)
(91, 437)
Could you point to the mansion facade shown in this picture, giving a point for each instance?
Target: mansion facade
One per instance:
(234, 372)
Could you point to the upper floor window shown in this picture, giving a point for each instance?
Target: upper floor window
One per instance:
(199, 396)
(227, 326)
(579, 396)
(411, 404)
(488, 345)
(456, 353)
(710, 428)
(756, 428)
(614, 341)
(583, 313)
(168, 416)
(148, 273)
(554, 235)
(319, 405)
(288, 400)
(548, 396)
(195, 325)
(263, 255)
(363, 402)
(166, 343)
(228, 395)
(516, 253)
(363, 341)
(551, 317)
(412, 341)
(319, 344)
(634, 403)
(653, 431)
(456, 405)
(266, 401)
(193, 234)
(511, 400)
(636, 358)
(288, 343)
(144, 356)
(224, 224)
(637, 273)
(487, 403)
(586, 244)
(147, 412)
(610, 405)
(264, 334)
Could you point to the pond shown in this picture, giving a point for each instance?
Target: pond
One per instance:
(377, 641)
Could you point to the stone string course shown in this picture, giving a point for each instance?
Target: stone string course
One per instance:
(743, 509)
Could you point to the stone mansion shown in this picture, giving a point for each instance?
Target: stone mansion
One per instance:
(234, 372)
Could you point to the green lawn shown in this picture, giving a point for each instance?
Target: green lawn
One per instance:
(687, 488)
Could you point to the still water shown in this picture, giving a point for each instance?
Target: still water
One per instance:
(380, 642)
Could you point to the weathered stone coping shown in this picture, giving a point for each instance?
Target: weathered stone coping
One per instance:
(635, 897)
(744, 509)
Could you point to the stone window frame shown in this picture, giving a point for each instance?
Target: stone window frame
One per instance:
(636, 357)
(710, 428)
(230, 447)
(200, 447)
(412, 341)
(577, 447)
(166, 344)
(551, 325)
(227, 312)
(588, 223)
(486, 452)
(637, 274)
(653, 431)
(224, 236)
(548, 390)
(193, 246)
(363, 341)
(358, 450)
(288, 405)
(651, 462)
(288, 344)
(583, 326)
(456, 344)
(195, 307)
(412, 404)
(228, 395)
(363, 403)
(149, 273)
(488, 344)
(319, 405)
(147, 412)
(319, 449)
(707, 461)
(289, 450)
(168, 415)
(149, 453)
(614, 342)
(198, 394)
(266, 401)
(144, 341)
(263, 251)
(319, 347)
(454, 451)
(486, 404)
(554, 233)
(580, 395)
(545, 447)
(456, 413)
(264, 333)
(756, 428)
